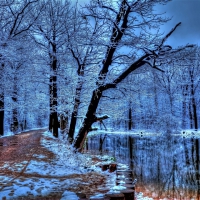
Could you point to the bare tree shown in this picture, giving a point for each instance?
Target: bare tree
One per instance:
(14, 24)
(190, 85)
(49, 34)
(123, 24)
(86, 52)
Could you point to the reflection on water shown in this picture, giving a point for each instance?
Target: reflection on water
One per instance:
(166, 167)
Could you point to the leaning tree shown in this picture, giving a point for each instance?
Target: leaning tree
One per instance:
(134, 41)
(85, 44)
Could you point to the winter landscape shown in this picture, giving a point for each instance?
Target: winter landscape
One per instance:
(91, 91)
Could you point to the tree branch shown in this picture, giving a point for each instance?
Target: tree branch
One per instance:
(97, 119)
(13, 29)
(168, 35)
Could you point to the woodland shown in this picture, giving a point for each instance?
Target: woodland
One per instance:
(99, 65)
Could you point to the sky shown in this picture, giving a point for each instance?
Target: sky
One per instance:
(185, 11)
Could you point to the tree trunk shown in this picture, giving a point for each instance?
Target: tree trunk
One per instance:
(130, 142)
(116, 36)
(155, 94)
(194, 114)
(191, 115)
(194, 108)
(64, 124)
(187, 154)
(88, 121)
(55, 124)
(130, 116)
(171, 103)
(101, 141)
(184, 123)
(142, 120)
(2, 114)
(15, 123)
(75, 110)
(184, 106)
(197, 164)
(96, 96)
(50, 121)
(193, 103)
(53, 118)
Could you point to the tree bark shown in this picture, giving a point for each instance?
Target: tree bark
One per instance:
(75, 110)
(184, 106)
(64, 126)
(195, 120)
(191, 116)
(15, 123)
(53, 118)
(77, 100)
(101, 141)
(197, 164)
(1, 114)
(116, 36)
(194, 108)
(192, 104)
(88, 121)
(96, 96)
(130, 142)
(130, 116)
(155, 94)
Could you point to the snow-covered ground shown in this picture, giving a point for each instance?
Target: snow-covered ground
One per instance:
(65, 175)
(149, 133)
(9, 133)
(66, 171)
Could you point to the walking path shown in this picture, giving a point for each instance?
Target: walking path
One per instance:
(30, 168)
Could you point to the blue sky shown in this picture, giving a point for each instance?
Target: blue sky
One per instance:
(187, 12)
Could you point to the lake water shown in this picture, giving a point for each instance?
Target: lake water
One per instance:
(167, 167)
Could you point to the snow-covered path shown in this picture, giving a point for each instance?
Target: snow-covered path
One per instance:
(34, 165)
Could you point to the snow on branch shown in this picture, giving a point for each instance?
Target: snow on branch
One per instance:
(162, 51)
(150, 57)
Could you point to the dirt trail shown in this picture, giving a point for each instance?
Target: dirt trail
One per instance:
(21, 147)
(16, 154)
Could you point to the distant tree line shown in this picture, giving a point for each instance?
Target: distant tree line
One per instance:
(70, 66)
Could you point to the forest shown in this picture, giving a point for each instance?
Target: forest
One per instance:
(68, 66)
(103, 66)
